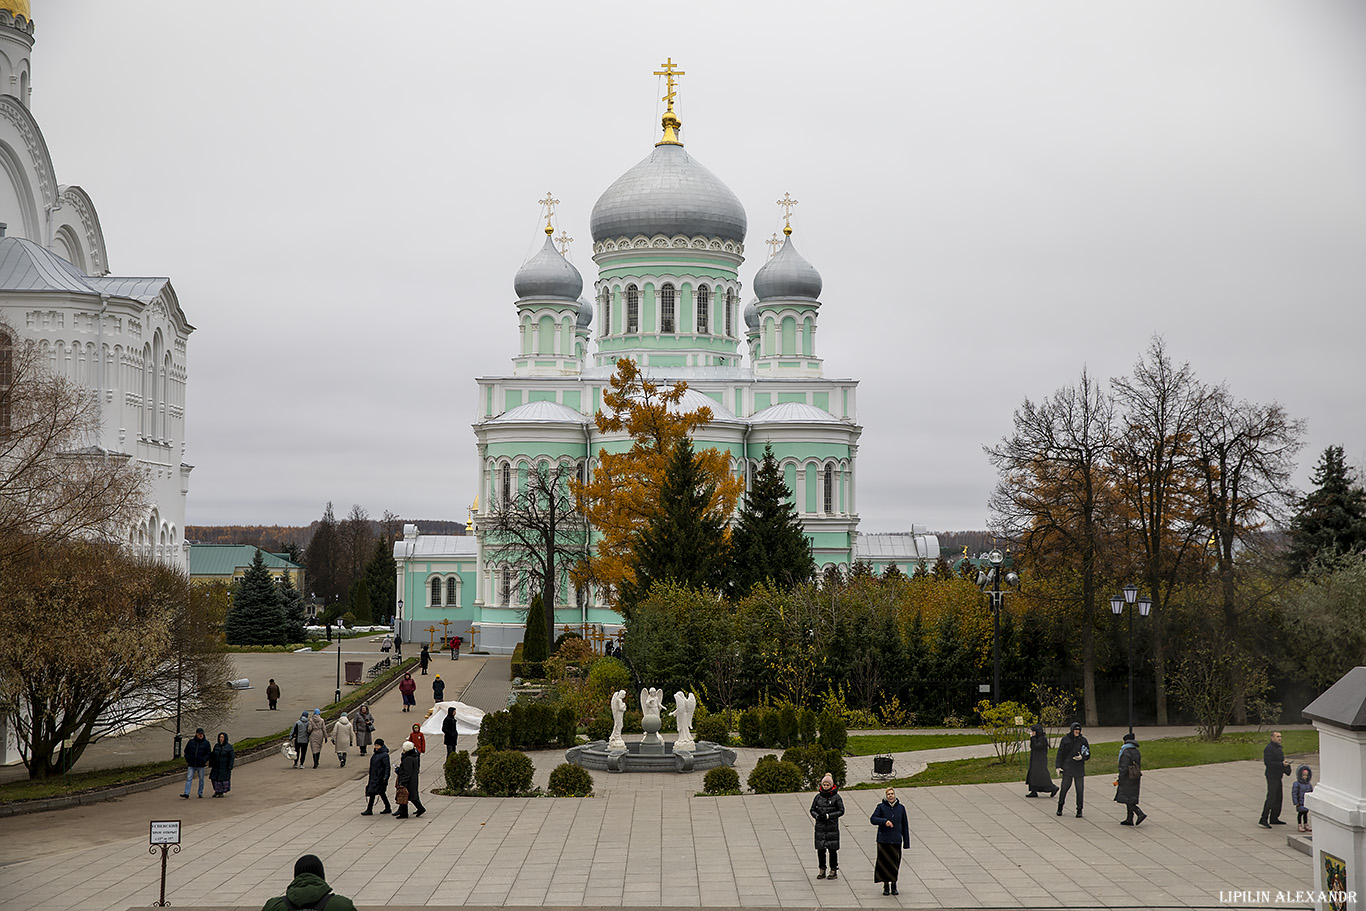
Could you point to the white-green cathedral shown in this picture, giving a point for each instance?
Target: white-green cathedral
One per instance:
(668, 242)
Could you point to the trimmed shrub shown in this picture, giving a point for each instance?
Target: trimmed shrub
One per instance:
(815, 761)
(459, 772)
(559, 640)
(566, 727)
(568, 780)
(606, 676)
(789, 730)
(599, 728)
(504, 773)
(712, 728)
(770, 729)
(772, 776)
(721, 780)
(806, 726)
(834, 735)
(527, 670)
(495, 731)
(750, 733)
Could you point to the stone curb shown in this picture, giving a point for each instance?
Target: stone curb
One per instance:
(21, 808)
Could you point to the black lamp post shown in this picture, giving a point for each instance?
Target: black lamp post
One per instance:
(1117, 605)
(992, 577)
(339, 644)
(398, 631)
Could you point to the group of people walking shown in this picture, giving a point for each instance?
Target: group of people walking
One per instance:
(310, 733)
(1074, 751)
(217, 760)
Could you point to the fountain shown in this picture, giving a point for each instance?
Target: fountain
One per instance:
(652, 753)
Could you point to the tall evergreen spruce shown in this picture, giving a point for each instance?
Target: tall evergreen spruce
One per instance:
(257, 616)
(768, 543)
(360, 602)
(535, 646)
(1332, 520)
(293, 602)
(381, 575)
(685, 541)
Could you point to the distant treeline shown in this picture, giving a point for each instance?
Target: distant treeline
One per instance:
(286, 538)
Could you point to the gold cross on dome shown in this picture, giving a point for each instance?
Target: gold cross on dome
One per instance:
(774, 243)
(786, 204)
(669, 73)
(564, 240)
(550, 202)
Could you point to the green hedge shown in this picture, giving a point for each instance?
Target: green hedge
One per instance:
(814, 761)
(504, 773)
(459, 772)
(774, 776)
(527, 670)
(536, 726)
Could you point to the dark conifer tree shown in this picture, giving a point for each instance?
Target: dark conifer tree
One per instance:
(685, 541)
(535, 645)
(1332, 518)
(360, 603)
(293, 603)
(324, 559)
(257, 616)
(381, 578)
(768, 543)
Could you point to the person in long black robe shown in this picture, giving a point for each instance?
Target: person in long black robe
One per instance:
(1038, 778)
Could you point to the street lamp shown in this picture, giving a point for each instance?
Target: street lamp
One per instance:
(339, 642)
(992, 577)
(1117, 605)
(398, 631)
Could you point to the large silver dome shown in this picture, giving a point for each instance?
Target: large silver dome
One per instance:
(548, 274)
(787, 276)
(668, 193)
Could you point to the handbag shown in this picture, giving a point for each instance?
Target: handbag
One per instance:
(401, 796)
(1134, 771)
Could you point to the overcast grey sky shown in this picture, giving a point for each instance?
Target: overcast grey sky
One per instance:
(341, 193)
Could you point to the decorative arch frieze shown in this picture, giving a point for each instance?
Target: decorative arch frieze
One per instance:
(36, 147)
(79, 202)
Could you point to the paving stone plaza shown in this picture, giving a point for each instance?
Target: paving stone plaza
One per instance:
(647, 841)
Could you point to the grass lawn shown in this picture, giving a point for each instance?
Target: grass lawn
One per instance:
(873, 744)
(1157, 754)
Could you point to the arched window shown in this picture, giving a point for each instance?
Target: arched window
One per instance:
(453, 591)
(730, 310)
(666, 308)
(829, 489)
(436, 593)
(606, 311)
(507, 484)
(632, 308)
(6, 381)
(703, 305)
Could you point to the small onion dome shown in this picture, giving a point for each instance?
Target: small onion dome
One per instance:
(17, 8)
(752, 314)
(787, 276)
(669, 193)
(585, 315)
(548, 274)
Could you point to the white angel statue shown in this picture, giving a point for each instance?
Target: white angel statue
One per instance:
(684, 708)
(651, 701)
(615, 742)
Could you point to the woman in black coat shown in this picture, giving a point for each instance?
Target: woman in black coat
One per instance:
(409, 765)
(221, 760)
(1130, 772)
(893, 832)
(1038, 777)
(449, 730)
(826, 808)
(378, 782)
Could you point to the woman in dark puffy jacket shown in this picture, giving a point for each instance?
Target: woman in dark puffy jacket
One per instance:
(826, 808)
(378, 782)
(221, 761)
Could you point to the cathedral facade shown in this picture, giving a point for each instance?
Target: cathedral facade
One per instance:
(122, 338)
(668, 243)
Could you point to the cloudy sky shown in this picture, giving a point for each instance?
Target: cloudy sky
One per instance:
(997, 194)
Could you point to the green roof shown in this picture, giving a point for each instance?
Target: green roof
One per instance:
(226, 559)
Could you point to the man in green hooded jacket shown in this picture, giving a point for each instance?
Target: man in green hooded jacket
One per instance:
(309, 890)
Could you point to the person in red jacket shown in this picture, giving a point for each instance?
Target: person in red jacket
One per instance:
(408, 686)
(418, 739)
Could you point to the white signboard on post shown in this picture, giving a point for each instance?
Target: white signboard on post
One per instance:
(165, 832)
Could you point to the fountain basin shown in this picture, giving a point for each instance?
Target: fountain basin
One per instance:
(597, 757)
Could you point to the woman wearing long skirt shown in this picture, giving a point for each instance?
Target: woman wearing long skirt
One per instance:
(221, 761)
(893, 833)
(1038, 778)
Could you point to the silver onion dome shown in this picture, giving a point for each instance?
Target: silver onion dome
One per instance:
(669, 193)
(548, 274)
(787, 276)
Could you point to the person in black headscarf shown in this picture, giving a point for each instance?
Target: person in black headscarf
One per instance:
(449, 731)
(1037, 778)
(1130, 777)
(1073, 751)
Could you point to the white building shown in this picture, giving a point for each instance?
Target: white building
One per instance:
(123, 338)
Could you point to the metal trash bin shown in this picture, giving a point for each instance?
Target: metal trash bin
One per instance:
(882, 767)
(354, 669)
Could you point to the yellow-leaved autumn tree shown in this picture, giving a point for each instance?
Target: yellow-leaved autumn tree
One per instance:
(623, 492)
